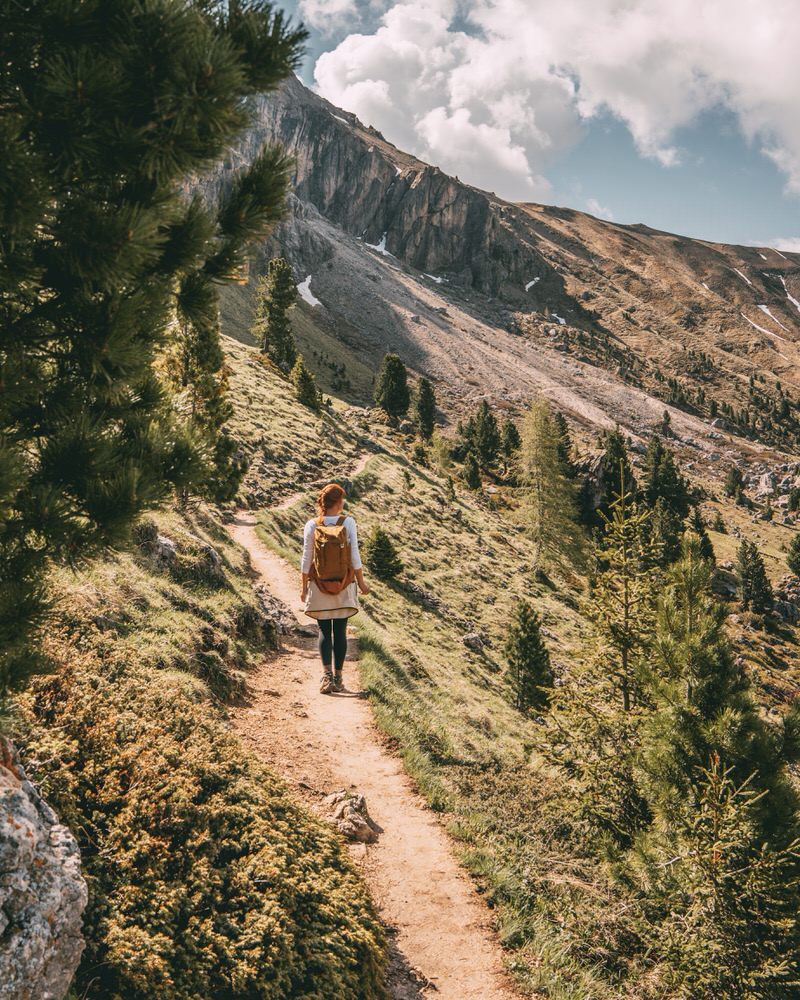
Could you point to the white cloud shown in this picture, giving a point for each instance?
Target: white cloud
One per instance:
(510, 94)
(791, 244)
(327, 15)
(595, 208)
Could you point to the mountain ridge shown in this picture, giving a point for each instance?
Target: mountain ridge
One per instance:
(613, 322)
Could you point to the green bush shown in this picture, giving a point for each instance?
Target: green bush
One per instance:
(381, 556)
(206, 880)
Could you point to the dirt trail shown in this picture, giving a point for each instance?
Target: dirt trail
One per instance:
(442, 942)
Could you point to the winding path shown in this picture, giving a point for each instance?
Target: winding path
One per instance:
(442, 943)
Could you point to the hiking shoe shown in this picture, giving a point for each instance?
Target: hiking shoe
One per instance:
(326, 684)
(338, 683)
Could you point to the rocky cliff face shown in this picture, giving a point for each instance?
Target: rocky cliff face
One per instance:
(369, 188)
(42, 893)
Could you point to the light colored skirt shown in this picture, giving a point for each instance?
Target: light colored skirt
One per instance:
(323, 606)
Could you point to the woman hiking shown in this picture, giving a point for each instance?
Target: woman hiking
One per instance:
(331, 570)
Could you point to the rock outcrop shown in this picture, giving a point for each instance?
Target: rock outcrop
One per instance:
(42, 892)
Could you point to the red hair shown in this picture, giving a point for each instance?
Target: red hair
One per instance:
(328, 497)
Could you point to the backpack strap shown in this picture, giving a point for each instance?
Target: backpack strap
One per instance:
(340, 520)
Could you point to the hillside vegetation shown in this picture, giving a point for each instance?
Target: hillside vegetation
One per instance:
(206, 878)
(432, 660)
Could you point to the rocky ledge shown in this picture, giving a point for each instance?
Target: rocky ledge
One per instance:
(42, 892)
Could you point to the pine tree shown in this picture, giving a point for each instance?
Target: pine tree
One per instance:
(724, 810)
(698, 526)
(487, 436)
(472, 472)
(702, 696)
(549, 506)
(105, 121)
(623, 593)
(718, 524)
(381, 556)
(391, 391)
(425, 409)
(664, 529)
(509, 441)
(755, 591)
(276, 294)
(305, 385)
(727, 899)
(528, 660)
(662, 480)
(613, 459)
(734, 481)
(793, 555)
(564, 441)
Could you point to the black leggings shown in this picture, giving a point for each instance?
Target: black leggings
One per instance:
(333, 638)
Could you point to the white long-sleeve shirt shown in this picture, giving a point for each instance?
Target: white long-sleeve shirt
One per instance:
(308, 541)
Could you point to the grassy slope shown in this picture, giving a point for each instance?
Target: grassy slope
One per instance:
(206, 879)
(445, 707)
(319, 338)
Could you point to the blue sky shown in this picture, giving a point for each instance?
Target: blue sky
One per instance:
(677, 113)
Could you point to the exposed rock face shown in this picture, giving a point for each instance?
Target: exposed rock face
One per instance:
(353, 177)
(42, 892)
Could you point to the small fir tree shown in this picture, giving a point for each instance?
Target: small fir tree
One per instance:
(509, 441)
(755, 591)
(664, 528)
(529, 672)
(724, 892)
(698, 526)
(718, 523)
(276, 294)
(425, 409)
(614, 462)
(391, 390)
(662, 480)
(472, 472)
(734, 481)
(564, 441)
(549, 506)
(793, 555)
(305, 385)
(622, 598)
(486, 436)
(381, 556)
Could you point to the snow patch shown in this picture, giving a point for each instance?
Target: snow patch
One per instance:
(531, 283)
(765, 309)
(742, 276)
(398, 170)
(789, 295)
(761, 329)
(304, 288)
(780, 254)
(761, 255)
(433, 277)
(560, 319)
(380, 247)
(371, 149)
(340, 119)
(705, 286)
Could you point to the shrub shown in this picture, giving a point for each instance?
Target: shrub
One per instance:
(793, 556)
(381, 556)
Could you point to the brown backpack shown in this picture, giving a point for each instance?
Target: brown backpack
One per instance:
(330, 568)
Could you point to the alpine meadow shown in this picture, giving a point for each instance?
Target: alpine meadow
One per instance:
(555, 751)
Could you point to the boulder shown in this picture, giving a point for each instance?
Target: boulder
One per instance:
(474, 641)
(351, 817)
(42, 892)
